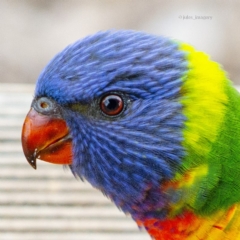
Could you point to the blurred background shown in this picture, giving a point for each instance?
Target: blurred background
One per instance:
(33, 31)
(49, 203)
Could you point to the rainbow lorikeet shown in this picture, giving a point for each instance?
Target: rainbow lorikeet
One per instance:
(149, 121)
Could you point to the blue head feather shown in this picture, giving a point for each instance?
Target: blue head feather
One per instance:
(127, 157)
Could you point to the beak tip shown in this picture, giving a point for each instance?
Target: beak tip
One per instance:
(34, 167)
(32, 162)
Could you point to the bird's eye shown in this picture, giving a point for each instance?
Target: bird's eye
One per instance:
(112, 105)
(45, 106)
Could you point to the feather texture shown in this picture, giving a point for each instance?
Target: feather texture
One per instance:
(171, 159)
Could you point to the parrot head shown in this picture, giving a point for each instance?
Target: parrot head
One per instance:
(129, 112)
(108, 106)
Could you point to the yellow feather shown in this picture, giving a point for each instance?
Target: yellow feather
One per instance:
(204, 100)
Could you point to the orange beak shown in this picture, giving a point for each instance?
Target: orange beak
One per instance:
(47, 138)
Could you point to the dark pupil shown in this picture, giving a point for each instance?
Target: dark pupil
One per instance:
(111, 103)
